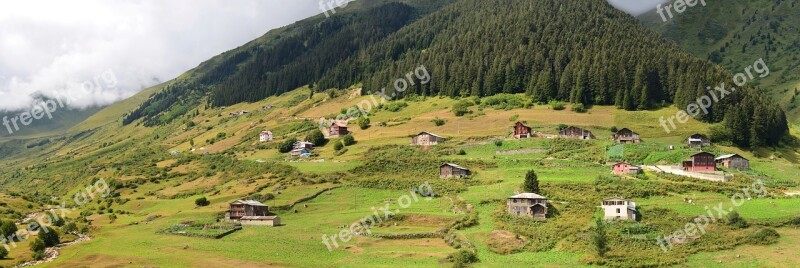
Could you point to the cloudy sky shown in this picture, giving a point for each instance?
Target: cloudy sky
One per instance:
(97, 52)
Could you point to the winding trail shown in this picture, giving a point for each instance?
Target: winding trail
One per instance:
(51, 254)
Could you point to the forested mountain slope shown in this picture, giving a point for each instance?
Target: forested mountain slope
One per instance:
(578, 51)
(736, 33)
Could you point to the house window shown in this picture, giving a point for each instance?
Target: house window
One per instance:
(617, 211)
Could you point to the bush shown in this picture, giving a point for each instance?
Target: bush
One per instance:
(348, 140)
(7, 228)
(3, 253)
(317, 138)
(287, 145)
(69, 228)
(37, 245)
(764, 236)
(579, 108)
(338, 146)
(600, 238)
(38, 255)
(461, 152)
(531, 182)
(463, 257)
(737, 221)
(438, 121)
(557, 105)
(363, 122)
(49, 237)
(498, 143)
(614, 129)
(462, 107)
(202, 202)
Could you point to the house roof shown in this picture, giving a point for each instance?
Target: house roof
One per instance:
(523, 124)
(527, 196)
(617, 199)
(339, 124)
(729, 156)
(249, 202)
(266, 132)
(453, 165)
(701, 153)
(625, 129)
(425, 132)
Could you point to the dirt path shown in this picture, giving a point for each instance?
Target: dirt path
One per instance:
(680, 172)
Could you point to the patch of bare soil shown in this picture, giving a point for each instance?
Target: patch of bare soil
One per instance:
(504, 242)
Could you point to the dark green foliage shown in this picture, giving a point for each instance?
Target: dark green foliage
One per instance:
(69, 228)
(202, 202)
(37, 245)
(49, 236)
(614, 129)
(3, 253)
(600, 238)
(338, 145)
(531, 182)
(7, 228)
(317, 138)
(59, 222)
(734, 219)
(438, 121)
(363, 122)
(498, 143)
(348, 140)
(557, 105)
(578, 108)
(287, 145)
(763, 236)
(463, 257)
(461, 107)
(461, 152)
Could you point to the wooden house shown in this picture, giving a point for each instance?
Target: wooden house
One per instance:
(528, 204)
(618, 208)
(448, 170)
(265, 136)
(626, 136)
(698, 141)
(733, 161)
(700, 162)
(576, 133)
(243, 208)
(426, 139)
(260, 221)
(521, 131)
(338, 130)
(623, 168)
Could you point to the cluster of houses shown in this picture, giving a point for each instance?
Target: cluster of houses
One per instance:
(535, 206)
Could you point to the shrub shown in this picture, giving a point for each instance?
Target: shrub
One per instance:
(737, 221)
(287, 145)
(363, 122)
(348, 140)
(614, 129)
(461, 152)
(69, 228)
(38, 255)
(438, 121)
(49, 237)
(202, 202)
(338, 146)
(498, 143)
(764, 236)
(579, 108)
(463, 257)
(557, 105)
(37, 245)
(7, 228)
(462, 107)
(316, 137)
(3, 253)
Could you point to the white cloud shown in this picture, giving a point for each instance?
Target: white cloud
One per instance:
(54, 47)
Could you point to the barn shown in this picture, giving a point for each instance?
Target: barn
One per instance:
(426, 139)
(626, 136)
(521, 131)
(700, 162)
(449, 170)
(576, 133)
(733, 161)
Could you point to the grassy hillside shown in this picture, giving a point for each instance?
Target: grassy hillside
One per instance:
(737, 33)
(156, 190)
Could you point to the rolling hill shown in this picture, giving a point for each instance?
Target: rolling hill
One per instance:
(736, 33)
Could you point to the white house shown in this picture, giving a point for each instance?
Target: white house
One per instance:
(618, 208)
(265, 136)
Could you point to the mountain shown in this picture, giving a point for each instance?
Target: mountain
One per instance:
(739, 32)
(577, 51)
